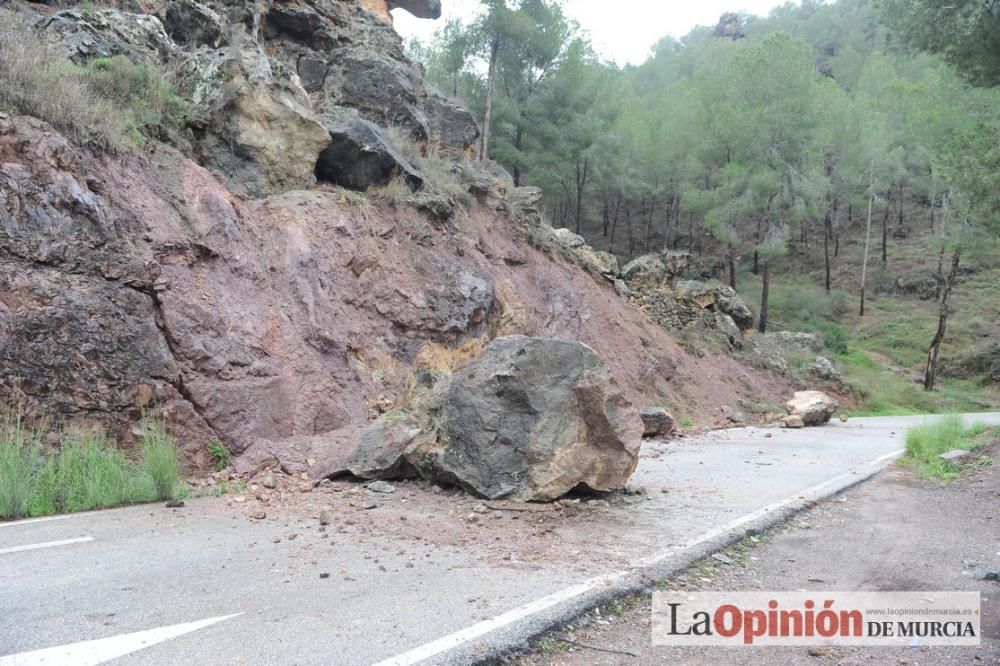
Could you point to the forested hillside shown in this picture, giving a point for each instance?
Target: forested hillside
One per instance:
(815, 160)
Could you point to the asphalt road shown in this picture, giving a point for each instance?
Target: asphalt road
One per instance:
(204, 584)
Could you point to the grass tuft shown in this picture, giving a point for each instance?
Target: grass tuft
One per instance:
(15, 473)
(926, 442)
(160, 462)
(85, 472)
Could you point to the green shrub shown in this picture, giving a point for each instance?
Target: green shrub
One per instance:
(221, 457)
(834, 337)
(151, 101)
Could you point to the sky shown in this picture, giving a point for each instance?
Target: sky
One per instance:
(622, 30)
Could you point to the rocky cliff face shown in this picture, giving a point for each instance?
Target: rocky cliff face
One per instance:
(217, 282)
(270, 83)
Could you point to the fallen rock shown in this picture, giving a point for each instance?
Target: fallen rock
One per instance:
(374, 452)
(956, 456)
(792, 421)
(736, 416)
(720, 557)
(980, 571)
(813, 407)
(531, 419)
(656, 422)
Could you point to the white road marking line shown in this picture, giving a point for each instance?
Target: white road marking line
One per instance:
(30, 521)
(480, 629)
(47, 544)
(90, 653)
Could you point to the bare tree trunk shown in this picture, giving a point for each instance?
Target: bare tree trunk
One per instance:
(764, 294)
(614, 223)
(885, 227)
(864, 261)
(649, 224)
(518, 140)
(827, 232)
(939, 276)
(491, 82)
(666, 225)
(731, 258)
(930, 375)
(628, 226)
(581, 182)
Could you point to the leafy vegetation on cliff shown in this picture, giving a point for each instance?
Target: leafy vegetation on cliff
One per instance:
(112, 103)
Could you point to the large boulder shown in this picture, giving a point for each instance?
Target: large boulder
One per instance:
(532, 419)
(813, 407)
(359, 154)
(376, 451)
